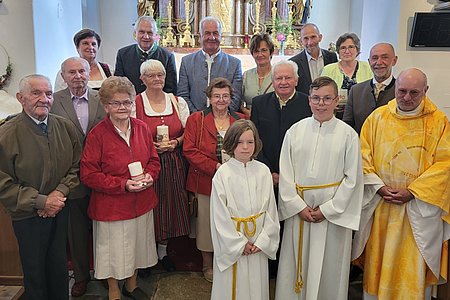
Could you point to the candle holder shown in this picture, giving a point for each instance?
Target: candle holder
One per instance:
(186, 38)
(169, 40)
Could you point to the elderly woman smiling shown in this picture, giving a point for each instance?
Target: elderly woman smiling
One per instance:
(161, 110)
(202, 147)
(348, 71)
(121, 205)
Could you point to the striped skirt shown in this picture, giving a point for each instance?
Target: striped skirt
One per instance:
(172, 212)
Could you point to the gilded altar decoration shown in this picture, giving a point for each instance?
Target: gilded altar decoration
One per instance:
(169, 40)
(186, 38)
(223, 10)
(239, 18)
(145, 8)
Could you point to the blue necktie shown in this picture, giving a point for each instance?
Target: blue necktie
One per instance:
(43, 127)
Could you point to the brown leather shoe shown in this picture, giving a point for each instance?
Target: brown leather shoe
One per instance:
(79, 288)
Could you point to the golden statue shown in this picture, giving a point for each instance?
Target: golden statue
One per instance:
(145, 8)
(223, 10)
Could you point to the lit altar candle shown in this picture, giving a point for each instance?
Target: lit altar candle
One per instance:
(162, 134)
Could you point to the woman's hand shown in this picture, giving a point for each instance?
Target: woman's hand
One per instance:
(168, 147)
(134, 186)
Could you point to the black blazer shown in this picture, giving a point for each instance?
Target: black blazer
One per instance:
(304, 76)
(361, 102)
(272, 123)
(128, 63)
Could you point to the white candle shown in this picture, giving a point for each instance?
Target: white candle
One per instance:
(136, 171)
(162, 134)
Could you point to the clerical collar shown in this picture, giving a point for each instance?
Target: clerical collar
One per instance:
(309, 56)
(386, 82)
(85, 95)
(284, 102)
(211, 56)
(413, 112)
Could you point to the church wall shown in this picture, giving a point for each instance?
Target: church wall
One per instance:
(17, 36)
(55, 23)
(435, 62)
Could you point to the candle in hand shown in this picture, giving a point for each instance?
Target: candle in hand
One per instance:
(162, 134)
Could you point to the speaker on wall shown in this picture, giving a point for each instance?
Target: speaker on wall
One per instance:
(430, 30)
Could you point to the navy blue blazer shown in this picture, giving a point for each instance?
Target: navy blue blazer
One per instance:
(304, 76)
(272, 122)
(128, 64)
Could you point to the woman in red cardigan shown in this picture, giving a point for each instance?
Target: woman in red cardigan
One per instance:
(202, 147)
(121, 207)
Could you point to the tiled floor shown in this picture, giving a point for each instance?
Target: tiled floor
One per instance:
(182, 286)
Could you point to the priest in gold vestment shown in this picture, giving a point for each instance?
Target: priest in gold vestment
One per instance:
(404, 228)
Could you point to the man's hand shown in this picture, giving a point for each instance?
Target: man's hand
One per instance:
(395, 195)
(317, 215)
(275, 179)
(306, 214)
(54, 204)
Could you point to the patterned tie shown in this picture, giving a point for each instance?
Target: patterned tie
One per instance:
(43, 127)
(379, 87)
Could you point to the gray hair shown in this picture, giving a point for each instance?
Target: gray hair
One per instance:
(146, 19)
(24, 84)
(346, 36)
(84, 62)
(312, 25)
(152, 65)
(209, 19)
(284, 62)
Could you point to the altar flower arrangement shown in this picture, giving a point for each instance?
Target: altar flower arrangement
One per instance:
(281, 31)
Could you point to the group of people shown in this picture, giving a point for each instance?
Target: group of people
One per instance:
(239, 153)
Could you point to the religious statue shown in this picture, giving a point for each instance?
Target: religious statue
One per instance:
(223, 10)
(145, 8)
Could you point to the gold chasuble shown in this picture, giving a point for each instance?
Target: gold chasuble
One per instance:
(404, 246)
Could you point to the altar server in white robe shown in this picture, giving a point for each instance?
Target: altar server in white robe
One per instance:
(321, 187)
(244, 218)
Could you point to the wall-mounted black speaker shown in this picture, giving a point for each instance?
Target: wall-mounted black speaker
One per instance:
(430, 30)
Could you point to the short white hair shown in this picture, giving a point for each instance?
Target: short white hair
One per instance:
(209, 19)
(84, 62)
(25, 86)
(284, 62)
(152, 65)
(146, 19)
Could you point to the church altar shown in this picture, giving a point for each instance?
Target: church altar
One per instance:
(243, 55)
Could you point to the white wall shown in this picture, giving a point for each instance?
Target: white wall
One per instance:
(332, 17)
(17, 36)
(435, 62)
(116, 29)
(55, 23)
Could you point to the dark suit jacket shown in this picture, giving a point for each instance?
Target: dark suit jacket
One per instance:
(272, 123)
(304, 76)
(63, 107)
(361, 102)
(128, 64)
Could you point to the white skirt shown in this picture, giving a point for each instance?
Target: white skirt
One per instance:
(121, 247)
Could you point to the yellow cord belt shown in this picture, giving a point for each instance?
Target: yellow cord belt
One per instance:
(299, 275)
(248, 233)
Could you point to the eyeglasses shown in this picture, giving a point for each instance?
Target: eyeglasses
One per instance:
(327, 100)
(117, 104)
(154, 76)
(345, 48)
(224, 97)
